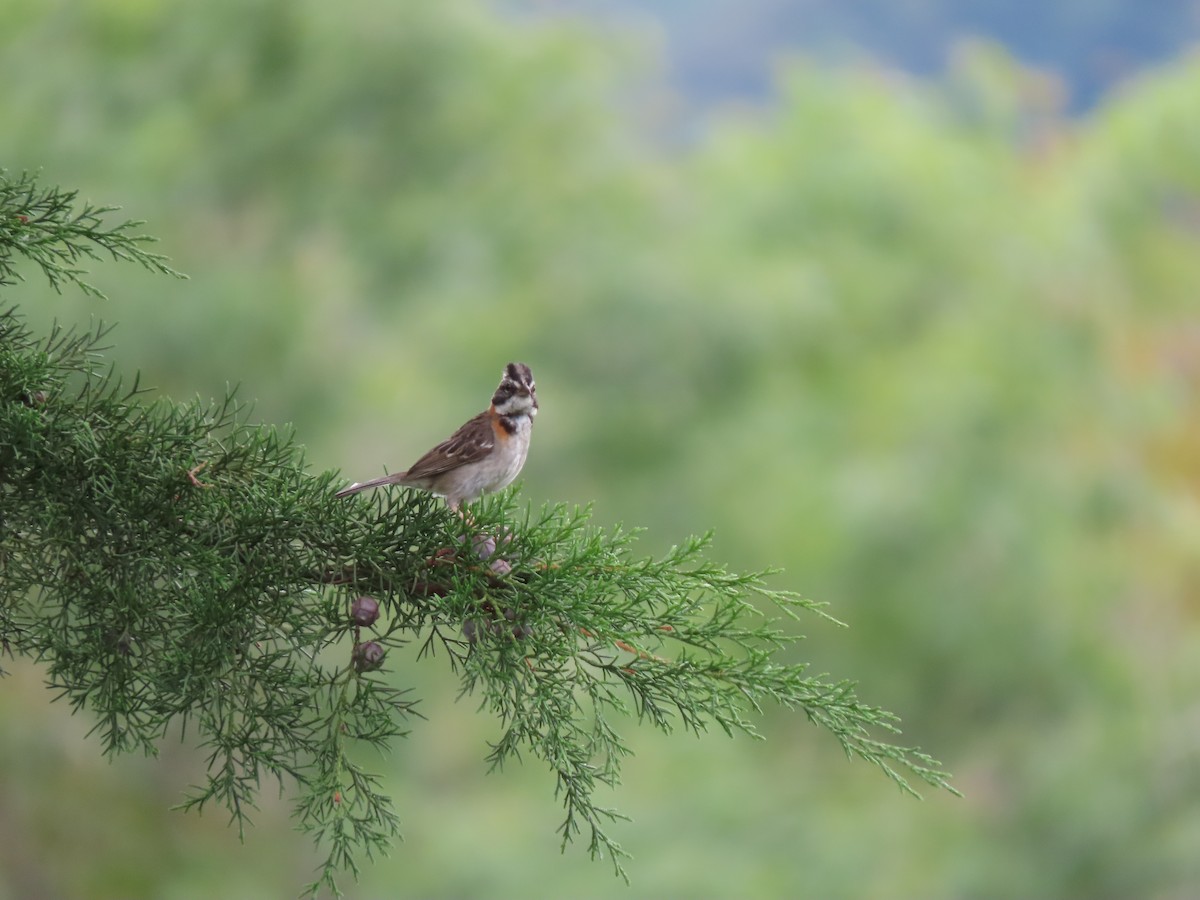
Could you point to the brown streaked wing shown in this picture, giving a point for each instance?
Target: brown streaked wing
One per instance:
(473, 441)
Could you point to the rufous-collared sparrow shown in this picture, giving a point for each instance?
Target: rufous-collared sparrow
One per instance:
(485, 455)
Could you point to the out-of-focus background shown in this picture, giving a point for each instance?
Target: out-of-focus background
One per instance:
(900, 296)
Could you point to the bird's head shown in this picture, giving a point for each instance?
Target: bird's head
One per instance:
(517, 393)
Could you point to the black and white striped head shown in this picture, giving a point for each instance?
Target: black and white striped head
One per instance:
(517, 394)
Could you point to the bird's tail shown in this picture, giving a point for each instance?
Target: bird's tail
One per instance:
(395, 478)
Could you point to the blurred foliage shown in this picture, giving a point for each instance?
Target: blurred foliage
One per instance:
(722, 49)
(930, 346)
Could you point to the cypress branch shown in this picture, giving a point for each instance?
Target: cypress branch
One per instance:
(174, 566)
(53, 229)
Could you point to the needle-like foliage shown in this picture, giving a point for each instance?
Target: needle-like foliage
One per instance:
(176, 568)
(58, 232)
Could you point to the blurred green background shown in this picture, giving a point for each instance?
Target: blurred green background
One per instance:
(928, 342)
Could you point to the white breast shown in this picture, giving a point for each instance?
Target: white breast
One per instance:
(492, 473)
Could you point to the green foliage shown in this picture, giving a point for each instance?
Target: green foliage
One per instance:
(929, 344)
(48, 226)
(173, 565)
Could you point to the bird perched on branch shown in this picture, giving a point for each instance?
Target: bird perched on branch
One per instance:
(484, 455)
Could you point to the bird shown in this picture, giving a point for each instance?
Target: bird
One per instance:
(483, 456)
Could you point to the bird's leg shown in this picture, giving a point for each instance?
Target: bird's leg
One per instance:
(457, 509)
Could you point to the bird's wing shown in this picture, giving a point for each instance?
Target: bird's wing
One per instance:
(472, 442)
